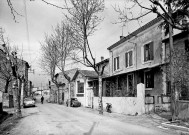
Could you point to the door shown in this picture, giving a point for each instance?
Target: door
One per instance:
(89, 94)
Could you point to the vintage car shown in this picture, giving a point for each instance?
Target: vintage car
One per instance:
(74, 102)
(29, 102)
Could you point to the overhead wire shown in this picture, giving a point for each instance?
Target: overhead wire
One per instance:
(27, 29)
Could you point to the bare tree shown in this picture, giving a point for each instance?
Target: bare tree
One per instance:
(174, 13)
(56, 50)
(84, 19)
(12, 70)
(5, 66)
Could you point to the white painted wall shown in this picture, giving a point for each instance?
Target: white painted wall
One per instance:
(126, 105)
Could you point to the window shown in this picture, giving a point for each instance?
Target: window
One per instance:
(116, 63)
(129, 59)
(80, 87)
(149, 79)
(148, 52)
(168, 87)
(186, 42)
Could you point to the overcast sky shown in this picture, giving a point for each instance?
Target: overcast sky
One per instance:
(40, 19)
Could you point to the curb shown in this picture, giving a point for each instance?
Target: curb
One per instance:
(181, 128)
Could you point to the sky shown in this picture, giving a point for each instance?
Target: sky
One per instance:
(38, 18)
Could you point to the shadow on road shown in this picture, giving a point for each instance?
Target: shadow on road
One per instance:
(91, 130)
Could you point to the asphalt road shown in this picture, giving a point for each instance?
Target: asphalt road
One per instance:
(53, 119)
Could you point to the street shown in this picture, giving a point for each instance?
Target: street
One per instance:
(53, 119)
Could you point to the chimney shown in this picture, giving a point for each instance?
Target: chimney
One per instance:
(102, 58)
(121, 37)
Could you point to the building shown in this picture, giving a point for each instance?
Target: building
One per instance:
(6, 75)
(64, 85)
(179, 64)
(137, 59)
(86, 86)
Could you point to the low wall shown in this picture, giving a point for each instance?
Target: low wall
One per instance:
(157, 103)
(183, 109)
(123, 105)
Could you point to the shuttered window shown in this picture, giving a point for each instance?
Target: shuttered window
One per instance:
(149, 79)
(148, 51)
(116, 63)
(129, 59)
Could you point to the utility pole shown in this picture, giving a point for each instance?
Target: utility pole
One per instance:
(174, 94)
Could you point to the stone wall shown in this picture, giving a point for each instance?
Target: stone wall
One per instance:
(183, 110)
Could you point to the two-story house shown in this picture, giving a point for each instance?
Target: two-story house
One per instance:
(137, 58)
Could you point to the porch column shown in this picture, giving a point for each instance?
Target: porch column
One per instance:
(141, 98)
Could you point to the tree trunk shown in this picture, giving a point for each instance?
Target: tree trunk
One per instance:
(18, 109)
(16, 95)
(100, 95)
(173, 92)
(58, 93)
(69, 94)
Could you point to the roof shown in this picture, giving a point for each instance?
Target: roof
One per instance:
(103, 61)
(177, 36)
(144, 27)
(69, 73)
(88, 73)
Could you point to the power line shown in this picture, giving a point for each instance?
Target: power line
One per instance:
(27, 29)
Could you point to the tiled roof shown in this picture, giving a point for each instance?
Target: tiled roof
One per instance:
(70, 72)
(103, 61)
(149, 24)
(88, 73)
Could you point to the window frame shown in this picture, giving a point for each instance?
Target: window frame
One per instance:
(78, 87)
(127, 58)
(116, 63)
(150, 51)
(145, 79)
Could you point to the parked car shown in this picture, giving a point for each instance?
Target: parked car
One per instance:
(74, 102)
(29, 102)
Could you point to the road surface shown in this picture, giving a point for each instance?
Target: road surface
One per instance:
(53, 119)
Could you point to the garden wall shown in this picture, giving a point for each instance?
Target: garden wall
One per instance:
(183, 109)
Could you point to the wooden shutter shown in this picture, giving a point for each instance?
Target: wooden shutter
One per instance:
(117, 62)
(151, 50)
(114, 64)
(145, 58)
(130, 58)
(126, 59)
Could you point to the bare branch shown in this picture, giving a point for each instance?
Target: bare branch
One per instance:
(48, 3)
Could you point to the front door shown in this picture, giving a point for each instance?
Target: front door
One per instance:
(89, 94)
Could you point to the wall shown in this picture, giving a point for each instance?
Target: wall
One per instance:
(154, 33)
(125, 105)
(183, 110)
